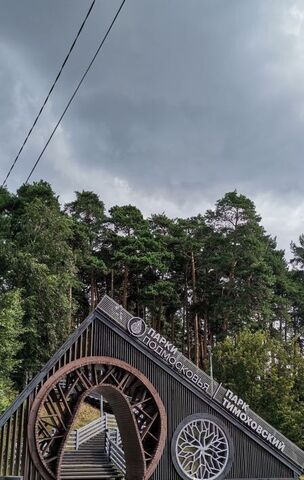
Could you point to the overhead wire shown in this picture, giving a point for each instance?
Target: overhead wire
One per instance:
(76, 89)
(49, 93)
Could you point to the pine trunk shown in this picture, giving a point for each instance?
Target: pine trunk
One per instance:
(187, 322)
(112, 284)
(188, 334)
(70, 311)
(158, 320)
(196, 320)
(184, 329)
(92, 291)
(125, 288)
(173, 329)
(206, 335)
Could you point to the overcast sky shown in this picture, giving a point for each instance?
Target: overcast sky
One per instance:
(188, 100)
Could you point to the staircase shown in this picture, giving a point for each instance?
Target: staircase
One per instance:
(89, 462)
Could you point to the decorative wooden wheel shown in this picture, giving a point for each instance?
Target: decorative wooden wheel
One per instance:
(138, 408)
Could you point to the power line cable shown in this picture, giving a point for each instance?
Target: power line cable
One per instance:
(76, 89)
(50, 92)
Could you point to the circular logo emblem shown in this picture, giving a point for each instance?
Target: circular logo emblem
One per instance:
(201, 449)
(137, 326)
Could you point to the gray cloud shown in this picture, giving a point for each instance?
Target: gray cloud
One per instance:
(189, 99)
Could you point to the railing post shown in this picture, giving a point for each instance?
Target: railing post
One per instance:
(77, 439)
(101, 406)
(108, 443)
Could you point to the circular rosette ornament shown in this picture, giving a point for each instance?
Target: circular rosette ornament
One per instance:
(201, 449)
(137, 326)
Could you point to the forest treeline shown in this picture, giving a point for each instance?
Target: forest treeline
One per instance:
(214, 279)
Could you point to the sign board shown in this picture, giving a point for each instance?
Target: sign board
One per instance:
(172, 357)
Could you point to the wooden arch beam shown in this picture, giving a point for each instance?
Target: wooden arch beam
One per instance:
(132, 445)
(132, 397)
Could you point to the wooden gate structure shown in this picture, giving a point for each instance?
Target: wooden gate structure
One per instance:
(175, 422)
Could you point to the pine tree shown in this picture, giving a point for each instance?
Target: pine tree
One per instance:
(42, 267)
(239, 277)
(88, 215)
(297, 294)
(138, 258)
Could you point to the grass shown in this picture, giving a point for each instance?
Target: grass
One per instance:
(85, 415)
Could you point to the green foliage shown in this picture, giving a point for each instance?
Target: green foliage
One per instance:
(88, 215)
(11, 314)
(239, 275)
(38, 261)
(268, 374)
(137, 254)
(214, 279)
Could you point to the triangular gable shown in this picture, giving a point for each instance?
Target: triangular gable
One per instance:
(165, 356)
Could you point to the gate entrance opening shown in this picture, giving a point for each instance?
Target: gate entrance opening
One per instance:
(94, 447)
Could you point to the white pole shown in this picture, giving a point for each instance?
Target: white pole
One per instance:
(211, 367)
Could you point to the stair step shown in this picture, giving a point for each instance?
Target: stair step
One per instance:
(91, 477)
(86, 471)
(96, 475)
(89, 462)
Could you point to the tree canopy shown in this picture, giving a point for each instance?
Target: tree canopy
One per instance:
(216, 279)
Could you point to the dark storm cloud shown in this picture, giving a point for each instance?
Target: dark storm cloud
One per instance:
(189, 99)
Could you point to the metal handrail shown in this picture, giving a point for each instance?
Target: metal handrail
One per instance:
(115, 453)
(107, 423)
(85, 433)
(81, 435)
(91, 425)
